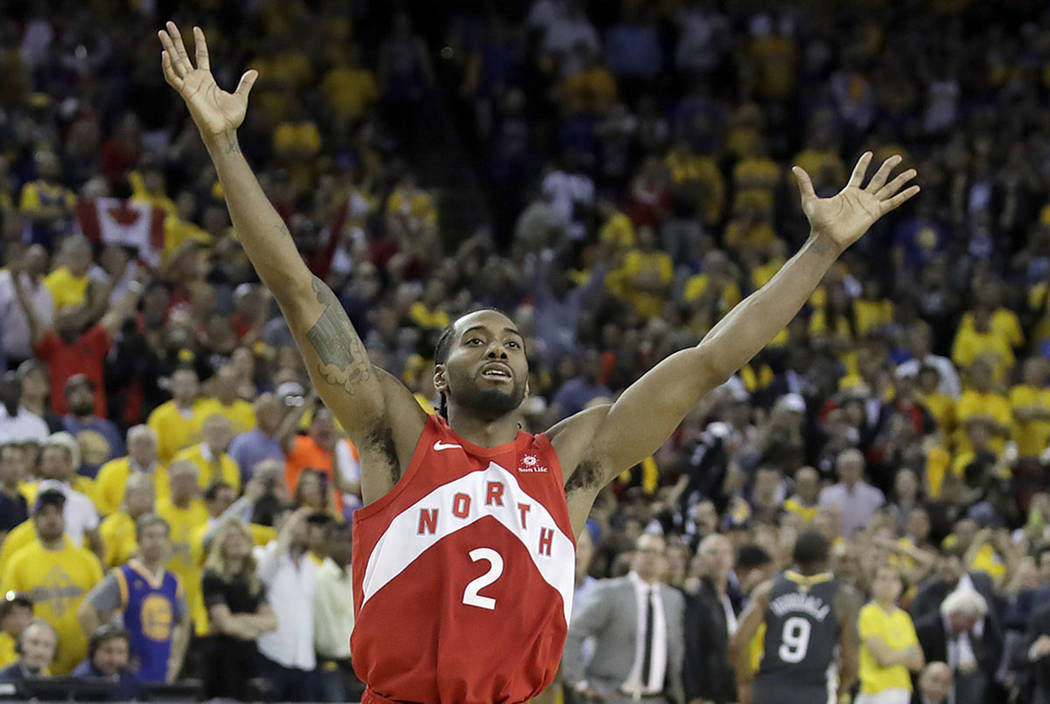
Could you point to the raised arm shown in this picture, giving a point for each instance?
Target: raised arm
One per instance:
(333, 351)
(37, 328)
(116, 315)
(644, 416)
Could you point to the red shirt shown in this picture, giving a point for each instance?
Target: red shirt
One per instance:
(464, 573)
(85, 356)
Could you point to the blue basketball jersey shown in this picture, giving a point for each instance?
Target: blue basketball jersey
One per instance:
(149, 616)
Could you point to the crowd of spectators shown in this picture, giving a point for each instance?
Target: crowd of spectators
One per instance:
(156, 420)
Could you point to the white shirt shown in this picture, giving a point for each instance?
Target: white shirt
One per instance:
(333, 610)
(290, 590)
(79, 512)
(658, 656)
(858, 505)
(24, 427)
(13, 322)
(948, 385)
(350, 470)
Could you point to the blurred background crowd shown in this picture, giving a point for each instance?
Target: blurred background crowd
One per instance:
(614, 175)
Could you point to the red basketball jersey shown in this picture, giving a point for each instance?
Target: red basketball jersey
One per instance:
(463, 574)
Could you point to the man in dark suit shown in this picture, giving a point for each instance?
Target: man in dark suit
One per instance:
(964, 634)
(1033, 654)
(935, 685)
(950, 574)
(710, 619)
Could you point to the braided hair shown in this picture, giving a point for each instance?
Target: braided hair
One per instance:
(444, 346)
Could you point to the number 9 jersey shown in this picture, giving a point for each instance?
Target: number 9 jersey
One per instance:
(801, 642)
(463, 574)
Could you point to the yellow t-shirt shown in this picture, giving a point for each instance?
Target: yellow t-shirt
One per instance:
(898, 632)
(175, 430)
(112, 480)
(635, 262)
(970, 344)
(118, 536)
(987, 560)
(7, 650)
(617, 232)
(35, 193)
(349, 91)
(418, 205)
(58, 580)
(1031, 437)
(141, 195)
(974, 403)
(793, 505)
(186, 556)
(942, 408)
(872, 315)
(696, 286)
(1005, 323)
(223, 468)
(176, 232)
(426, 318)
(240, 414)
(740, 236)
(66, 289)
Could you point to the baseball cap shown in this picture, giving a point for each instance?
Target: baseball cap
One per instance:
(49, 497)
(12, 599)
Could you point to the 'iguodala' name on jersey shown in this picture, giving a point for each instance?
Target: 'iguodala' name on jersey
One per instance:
(796, 601)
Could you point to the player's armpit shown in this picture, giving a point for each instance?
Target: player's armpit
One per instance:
(610, 439)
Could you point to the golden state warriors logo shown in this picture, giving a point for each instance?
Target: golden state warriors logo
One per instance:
(59, 591)
(156, 617)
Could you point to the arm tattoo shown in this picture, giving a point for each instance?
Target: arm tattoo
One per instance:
(343, 359)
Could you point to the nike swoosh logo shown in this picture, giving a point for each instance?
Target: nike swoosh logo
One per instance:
(443, 446)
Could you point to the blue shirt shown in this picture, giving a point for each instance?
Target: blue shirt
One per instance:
(151, 613)
(252, 447)
(107, 429)
(12, 511)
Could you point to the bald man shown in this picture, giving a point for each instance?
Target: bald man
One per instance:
(857, 499)
(710, 620)
(935, 684)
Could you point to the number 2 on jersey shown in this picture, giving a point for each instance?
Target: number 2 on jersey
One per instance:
(495, 560)
(794, 640)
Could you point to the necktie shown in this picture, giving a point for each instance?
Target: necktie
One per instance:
(648, 653)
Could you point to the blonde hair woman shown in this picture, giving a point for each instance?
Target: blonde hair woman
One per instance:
(238, 612)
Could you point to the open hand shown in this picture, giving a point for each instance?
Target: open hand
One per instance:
(213, 110)
(845, 216)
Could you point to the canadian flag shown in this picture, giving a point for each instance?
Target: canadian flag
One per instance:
(132, 224)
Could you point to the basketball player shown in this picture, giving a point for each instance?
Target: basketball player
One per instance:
(463, 553)
(811, 621)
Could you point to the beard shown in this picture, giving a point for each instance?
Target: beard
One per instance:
(491, 402)
(84, 408)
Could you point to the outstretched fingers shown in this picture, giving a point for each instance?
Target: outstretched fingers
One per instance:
(859, 170)
(879, 179)
(247, 81)
(899, 199)
(805, 185)
(201, 48)
(169, 73)
(895, 185)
